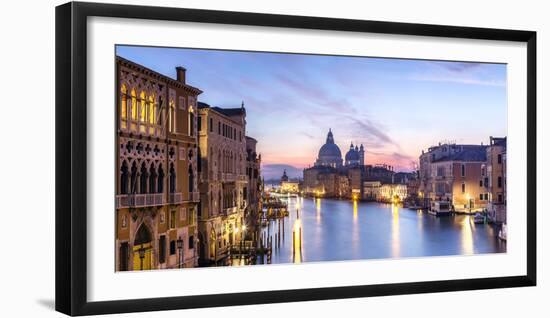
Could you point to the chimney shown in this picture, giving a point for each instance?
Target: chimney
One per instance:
(180, 71)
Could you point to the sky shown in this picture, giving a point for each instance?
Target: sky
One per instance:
(394, 107)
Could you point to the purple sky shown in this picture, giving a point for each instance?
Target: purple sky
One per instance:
(394, 107)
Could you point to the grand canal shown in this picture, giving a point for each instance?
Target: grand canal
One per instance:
(329, 230)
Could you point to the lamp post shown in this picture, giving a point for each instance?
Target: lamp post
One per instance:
(179, 244)
(141, 257)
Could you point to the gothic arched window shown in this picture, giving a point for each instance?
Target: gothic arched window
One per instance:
(152, 113)
(152, 179)
(133, 178)
(143, 179)
(160, 180)
(172, 181)
(123, 106)
(134, 105)
(124, 178)
(172, 116)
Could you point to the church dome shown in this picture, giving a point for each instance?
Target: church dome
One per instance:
(329, 154)
(352, 155)
(330, 150)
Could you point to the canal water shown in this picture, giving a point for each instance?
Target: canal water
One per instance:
(329, 230)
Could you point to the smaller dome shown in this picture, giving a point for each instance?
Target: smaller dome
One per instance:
(352, 155)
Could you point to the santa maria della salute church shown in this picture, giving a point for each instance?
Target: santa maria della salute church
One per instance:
(330, 155)
(332, 176)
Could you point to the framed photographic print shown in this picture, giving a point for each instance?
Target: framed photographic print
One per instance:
(208, 158)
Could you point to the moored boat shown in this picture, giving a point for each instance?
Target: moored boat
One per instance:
(440, 208)
(479, 218)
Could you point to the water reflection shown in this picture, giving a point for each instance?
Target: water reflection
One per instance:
(467, 236)
(395, 230)
(318, 209)
(297, 241)
(325, 230)
(354, 212)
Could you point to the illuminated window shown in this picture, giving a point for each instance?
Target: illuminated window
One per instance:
(152, 110)
(172, 117)
(142, 107)
(134, 105)
(191, 125)
(123, 106)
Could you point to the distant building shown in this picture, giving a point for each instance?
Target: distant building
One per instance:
(371, 190)
(395, 193)
(331, 176)
(454, 173)
(288, 186)
(329, 154)
(380, 172)
(495, 179)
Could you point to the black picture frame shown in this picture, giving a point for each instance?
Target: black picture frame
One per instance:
(71, 157)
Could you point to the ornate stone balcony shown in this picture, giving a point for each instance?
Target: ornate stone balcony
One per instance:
(195, 196)
(139, 200)
(175, 198)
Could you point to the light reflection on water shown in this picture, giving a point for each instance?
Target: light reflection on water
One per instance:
(395, 230)
(346, 230)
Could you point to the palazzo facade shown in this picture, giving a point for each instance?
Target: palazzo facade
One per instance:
(156, 162)
(223, 181)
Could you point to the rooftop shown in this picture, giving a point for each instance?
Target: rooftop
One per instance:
(465, 153)
(229, 112)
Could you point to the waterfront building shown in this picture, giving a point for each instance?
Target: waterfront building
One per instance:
(253, 190)
(379, 172)
(454, 173)
(371, 190)
(223, 181)
(289, 186)
(392, 192)
(495, 180)
(355, 176)
(156, 159)
(331, 176)
(344, 190)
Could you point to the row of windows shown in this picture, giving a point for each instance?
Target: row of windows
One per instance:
(173, 246)
(223, 129)
(139, 108)
(143, 180)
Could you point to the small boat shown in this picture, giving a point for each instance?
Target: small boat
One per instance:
(502, 233)
(479, 218)
(440, 208)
